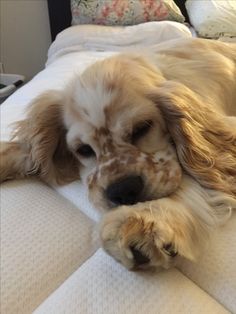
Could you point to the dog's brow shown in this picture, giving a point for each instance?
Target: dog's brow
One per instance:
(104, 138)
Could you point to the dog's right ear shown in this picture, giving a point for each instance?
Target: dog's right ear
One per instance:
(205, 141)
(40, 147)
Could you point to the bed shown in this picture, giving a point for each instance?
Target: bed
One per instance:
(51, 260)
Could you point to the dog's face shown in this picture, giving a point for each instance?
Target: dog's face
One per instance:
(118, 120)
(118, 134)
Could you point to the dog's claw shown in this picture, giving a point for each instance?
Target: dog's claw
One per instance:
(169, 250)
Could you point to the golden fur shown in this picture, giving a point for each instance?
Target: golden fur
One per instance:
(186, 94)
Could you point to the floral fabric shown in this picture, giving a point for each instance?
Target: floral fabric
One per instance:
(123, 12)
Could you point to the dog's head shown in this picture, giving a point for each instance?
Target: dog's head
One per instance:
(132, 132)
(119, 135)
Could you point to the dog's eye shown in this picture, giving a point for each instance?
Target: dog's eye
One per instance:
(85, 150)
(140, 130)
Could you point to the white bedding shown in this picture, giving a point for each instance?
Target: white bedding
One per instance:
(99, 285)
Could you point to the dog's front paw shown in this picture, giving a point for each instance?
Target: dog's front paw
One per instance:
(139, 237)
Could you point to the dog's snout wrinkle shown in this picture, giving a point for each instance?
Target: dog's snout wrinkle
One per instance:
(125, 191)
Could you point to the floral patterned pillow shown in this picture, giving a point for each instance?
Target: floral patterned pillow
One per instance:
(123, 12)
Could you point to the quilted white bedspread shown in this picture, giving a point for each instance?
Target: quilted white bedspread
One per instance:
(51, 260)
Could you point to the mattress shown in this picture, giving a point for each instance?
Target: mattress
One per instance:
(51, 258)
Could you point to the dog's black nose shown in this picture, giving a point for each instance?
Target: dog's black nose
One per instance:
(125, 191)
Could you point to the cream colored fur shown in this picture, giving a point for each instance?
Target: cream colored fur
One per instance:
(187, 159)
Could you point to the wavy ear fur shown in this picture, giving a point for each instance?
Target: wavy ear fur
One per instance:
(41, 146)
(205, 141)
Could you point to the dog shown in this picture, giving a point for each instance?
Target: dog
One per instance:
(153, 136)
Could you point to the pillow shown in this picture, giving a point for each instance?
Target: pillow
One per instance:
(213, 18)
(123, 12)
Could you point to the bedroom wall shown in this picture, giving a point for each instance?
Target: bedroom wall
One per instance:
(25, 36)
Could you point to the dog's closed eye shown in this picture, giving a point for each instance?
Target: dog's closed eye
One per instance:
(85, 150)
(140, 130)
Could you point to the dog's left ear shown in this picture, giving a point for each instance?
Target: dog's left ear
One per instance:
(205, 142)
(40, 148)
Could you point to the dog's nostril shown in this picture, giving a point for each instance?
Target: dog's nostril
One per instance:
(139, 257)
(125, 191)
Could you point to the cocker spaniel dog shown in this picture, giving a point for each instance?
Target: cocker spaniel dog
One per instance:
(154, 138)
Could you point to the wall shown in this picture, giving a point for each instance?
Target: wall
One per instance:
(25, 36)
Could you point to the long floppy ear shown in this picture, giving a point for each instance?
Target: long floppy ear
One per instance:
(205, 142)
(40, 147)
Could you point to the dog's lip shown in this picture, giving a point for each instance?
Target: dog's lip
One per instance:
(112, 205)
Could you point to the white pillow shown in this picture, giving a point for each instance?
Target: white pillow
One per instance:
(213, 18)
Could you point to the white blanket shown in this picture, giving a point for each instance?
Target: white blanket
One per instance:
(103, 38)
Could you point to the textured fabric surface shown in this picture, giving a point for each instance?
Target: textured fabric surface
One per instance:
(44, 239)
(77, 194)
(120, 12)
(103, 286)
(215, 272)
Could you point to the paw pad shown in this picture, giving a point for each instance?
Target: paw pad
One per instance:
(138, 256)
